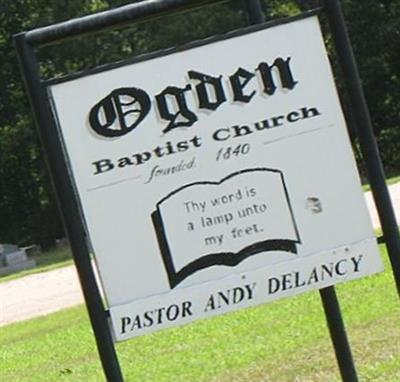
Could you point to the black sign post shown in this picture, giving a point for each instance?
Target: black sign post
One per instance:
(28, 41)
(365, 131)
(254, 10)
(72, 220)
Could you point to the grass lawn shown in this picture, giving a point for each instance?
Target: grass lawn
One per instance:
(279, 342)
(389, 182)
(393, 180)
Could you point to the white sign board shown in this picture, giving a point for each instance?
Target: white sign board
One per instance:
(215, 178)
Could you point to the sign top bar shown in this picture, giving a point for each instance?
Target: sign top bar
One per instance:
(110, 18)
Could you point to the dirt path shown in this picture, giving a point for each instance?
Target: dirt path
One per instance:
(39, 294)
(395, 194)
(44, 293)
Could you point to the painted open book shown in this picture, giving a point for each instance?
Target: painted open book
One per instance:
(222, 223)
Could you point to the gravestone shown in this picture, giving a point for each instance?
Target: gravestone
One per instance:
(14, 259)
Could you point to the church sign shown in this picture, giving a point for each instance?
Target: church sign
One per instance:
(215, 177)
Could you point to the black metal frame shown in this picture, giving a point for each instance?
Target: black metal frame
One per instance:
(136, 12)
(25, 44)
(70, 209)
(369, 147)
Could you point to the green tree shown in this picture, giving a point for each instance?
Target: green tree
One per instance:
(27, 206)
(374, 28)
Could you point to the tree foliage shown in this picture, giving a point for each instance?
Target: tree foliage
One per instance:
(28, 211)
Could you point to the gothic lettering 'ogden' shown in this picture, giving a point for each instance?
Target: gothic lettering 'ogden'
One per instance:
(125, 108)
